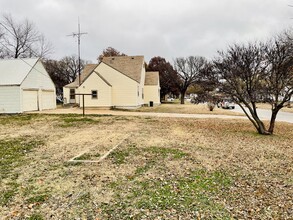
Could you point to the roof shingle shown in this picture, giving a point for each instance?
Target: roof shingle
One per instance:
(151, 78)
(130, 66)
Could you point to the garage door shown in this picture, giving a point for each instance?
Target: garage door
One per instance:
(48, 100)
(30, 100)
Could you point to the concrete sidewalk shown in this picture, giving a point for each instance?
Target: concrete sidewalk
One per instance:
(130, 113)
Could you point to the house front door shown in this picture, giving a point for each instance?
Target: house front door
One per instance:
(72, 96)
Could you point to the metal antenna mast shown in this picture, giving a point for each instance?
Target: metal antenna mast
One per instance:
(78, 34)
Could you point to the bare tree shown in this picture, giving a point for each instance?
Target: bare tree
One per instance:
(1, 43)
(168, 76)
(206, 88)
(257, 73)
(278, 82)
(22, 39)
(44, 48)
(70, 66)
(189, 70)
(63, 71)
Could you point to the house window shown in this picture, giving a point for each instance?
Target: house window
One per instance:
(142, 94)
(72, 93)
(94, 94)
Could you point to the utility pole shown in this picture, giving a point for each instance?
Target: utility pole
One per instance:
(78, 34)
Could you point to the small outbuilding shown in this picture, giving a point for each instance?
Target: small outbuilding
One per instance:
(152, 89)
(25, 85)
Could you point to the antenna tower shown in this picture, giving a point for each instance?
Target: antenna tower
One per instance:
(78, 34)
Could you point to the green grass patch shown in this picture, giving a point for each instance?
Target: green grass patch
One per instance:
(7, 195)
(12, 153)
(19, 119)
(195, 193)
(119, 156)
(77, 121)
(35, 216)
(84, 198)
(39, 198)
(88, 156)
(141, 170)
(185, 193)
(72, 163)
(165, 152)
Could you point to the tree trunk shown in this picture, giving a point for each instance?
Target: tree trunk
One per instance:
(182, 97)
(259, 124)
(261, 128)
(273, 120)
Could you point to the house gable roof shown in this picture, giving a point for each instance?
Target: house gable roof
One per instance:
(14, 71)
(151, 79)
(86, 72)
(131, 66)
(103, 78)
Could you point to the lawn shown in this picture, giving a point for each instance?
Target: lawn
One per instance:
(154, 168)
(187, 108)
(202, 108)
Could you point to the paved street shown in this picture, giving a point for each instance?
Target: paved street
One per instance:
(265, 114)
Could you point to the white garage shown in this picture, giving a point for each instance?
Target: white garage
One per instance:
(30, 100)
(25, 86)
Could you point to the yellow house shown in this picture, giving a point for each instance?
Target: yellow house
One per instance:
(152, 88)
(117, 82)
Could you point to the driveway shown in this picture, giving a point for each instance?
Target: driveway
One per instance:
(265, 114)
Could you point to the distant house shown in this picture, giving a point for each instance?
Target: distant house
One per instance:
(25, 85)
(117, 82)
(152, 88)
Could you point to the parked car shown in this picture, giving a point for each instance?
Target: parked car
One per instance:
(226, 104)
(59, 99)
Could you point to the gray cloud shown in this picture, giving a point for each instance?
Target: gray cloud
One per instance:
(154, 27)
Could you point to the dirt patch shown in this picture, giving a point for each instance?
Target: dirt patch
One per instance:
(166, 168)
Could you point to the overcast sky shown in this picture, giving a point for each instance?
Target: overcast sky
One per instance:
(166, 28)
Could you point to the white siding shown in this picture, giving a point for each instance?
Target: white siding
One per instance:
(104, 92)
(124, 89)
(39, 80)
(48, 99)
(66, 96)
(30, 100)
(10, 99)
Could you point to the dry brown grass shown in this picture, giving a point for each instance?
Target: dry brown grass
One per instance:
(212, 168)
(187, 108)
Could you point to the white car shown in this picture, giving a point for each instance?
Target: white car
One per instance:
(226, 104)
